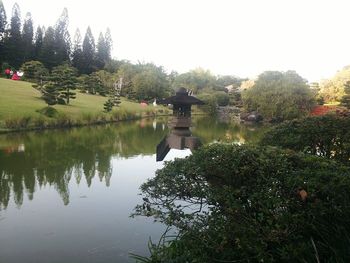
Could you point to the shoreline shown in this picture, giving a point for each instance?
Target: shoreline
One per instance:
(78, 124)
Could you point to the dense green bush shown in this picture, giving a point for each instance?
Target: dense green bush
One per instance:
(48, 111)
(279, 96)
(34, 71)
(210, 103)
(327, 136)
(222, 98)
(233, 203)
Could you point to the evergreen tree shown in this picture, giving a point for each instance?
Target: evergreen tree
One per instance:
(47, 53)
(27, 37)
(77, 55)
(3, 20)
(50, 94)
(3, 23)
(101, 55)
(93, 84)
(109, 44)
(88, 52)
(345, 101)
(113, 100)
(62, 39)
(38, 42)
(34, 71)
(13, 40)
(64, 79)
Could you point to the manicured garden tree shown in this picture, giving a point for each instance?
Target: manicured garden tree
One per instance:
(92, 84)
(50, 94)
(64, 78)
(34, 71)
(231, 203)
(345, 101)
(327, 136)
(113, 100)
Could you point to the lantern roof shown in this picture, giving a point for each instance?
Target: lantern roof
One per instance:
(182, 98)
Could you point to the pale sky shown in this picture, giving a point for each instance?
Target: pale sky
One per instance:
(233, 37)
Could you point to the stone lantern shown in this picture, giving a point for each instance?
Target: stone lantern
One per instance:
(180, 134)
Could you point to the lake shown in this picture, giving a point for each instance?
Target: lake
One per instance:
(67, 195)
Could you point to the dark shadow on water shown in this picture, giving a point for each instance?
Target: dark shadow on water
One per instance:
(180, 138)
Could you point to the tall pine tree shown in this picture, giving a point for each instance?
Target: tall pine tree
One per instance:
(104, 46)
(3, 23)
(62, 39)
(101, 54)
(27, 37)
(88, 52)
(13, 40)
(77, 55)
(47, 52)
(109, 44)
(38, 42)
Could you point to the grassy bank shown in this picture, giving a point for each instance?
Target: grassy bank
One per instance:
(20, 106)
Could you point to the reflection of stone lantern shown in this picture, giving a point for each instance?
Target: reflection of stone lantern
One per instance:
(180, 135)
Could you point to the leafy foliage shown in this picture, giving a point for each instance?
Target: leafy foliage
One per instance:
(88, 53)
(150, 82)
(27, 37)
(345, 100)
(332, 90)
(327, 136)
(34, 71)
(13, 39)
(50, 94)
(195, 80)
(253, 204)
(279, 95)
(64, 78)
(113, 100)
(93, 84)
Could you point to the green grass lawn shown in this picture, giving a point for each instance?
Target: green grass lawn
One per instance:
(19, 99)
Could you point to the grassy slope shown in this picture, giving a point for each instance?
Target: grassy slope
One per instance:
(19, 99)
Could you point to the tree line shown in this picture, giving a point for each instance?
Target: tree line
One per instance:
(52, 45)
(276, 95)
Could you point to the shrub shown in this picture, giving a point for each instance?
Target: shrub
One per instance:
(222, 98)
(63, 121)
(252, 204)
(17, 123)
(327, 136)
(48, 112)
(210, 105)
(40, 123)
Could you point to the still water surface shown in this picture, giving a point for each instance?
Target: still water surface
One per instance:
(66, 195)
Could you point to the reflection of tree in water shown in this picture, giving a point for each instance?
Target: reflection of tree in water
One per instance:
(226, 131)
(54, 157)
